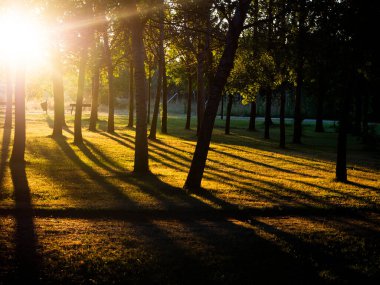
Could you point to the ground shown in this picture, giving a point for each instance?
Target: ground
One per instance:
(78, 215)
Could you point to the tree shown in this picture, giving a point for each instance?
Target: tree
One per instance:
(9, 92)
(141, 163)
(58, 90)
(18, 151)
(194, 178)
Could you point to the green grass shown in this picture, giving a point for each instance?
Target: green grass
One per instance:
(77, 214)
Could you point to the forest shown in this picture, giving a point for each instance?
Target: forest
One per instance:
(174, 141)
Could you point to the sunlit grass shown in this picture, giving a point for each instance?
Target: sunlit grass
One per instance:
(243, 170)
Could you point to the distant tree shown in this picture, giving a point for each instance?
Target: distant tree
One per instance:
(9, 103)
(58, 91)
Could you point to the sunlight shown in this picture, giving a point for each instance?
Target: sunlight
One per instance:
(24, 39)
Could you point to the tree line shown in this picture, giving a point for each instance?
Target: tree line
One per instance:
(248, 47)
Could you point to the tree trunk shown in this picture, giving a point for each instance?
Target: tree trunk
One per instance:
(252, 117)
(164, 119)
(222, 108)
(18, 151)
(194, 178)
(131, 96)
(111, 93)
(78, 139)
(59, 107)
(141, 163)
(282, 118)
(8, 107)
(200, 90)
(321, 100)
(268, 110)
(156, 110)
(228, 116)
(94, 98)
(299, 70)
(190, 94)
(149, 91)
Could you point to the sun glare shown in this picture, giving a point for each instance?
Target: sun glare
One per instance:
(24, 39)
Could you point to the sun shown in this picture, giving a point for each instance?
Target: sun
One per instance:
(24, 40)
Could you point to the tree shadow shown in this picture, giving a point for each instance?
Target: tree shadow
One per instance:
(27, 258)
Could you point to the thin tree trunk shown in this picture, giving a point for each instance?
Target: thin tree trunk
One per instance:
(141, 163)
(228, 116)
(156, 110)
(190, 93)
(78, 139)
(194, 178)
(200, 90)
(252, 117)
(8, 107)
(59, 107)
(297, 134)
(282, 118)
(94, 98)
(18, 151)
(111, 93)
(222, 108)
(164, 118)
(321, 100)
(149, 91)
(131, 96)
(268, 110)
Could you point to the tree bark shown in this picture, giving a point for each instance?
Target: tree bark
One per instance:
(78, 139)
(282, 117)
(164, 118)
(111, 93)
(200, 89)
(228, 116)
(149, 91)
(94, 98)
(18, 151)
(141, 163)
(252, 117)
(194, 178)
(131, 96)
(268, 110)
(59, 107)
(190, 94)
(156, 110)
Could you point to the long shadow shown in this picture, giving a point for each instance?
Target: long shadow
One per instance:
(4, 153)
(27, 258)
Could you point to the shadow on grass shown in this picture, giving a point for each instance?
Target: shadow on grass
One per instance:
(27, 258)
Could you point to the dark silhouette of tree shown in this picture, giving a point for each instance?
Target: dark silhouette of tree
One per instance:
(131, 96)
(58, 91)
(194, 178)
(18, 151)
(9, 103)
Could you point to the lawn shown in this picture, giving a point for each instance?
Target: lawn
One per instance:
(77, 214)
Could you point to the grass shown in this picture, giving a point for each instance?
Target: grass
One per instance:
(77, 214)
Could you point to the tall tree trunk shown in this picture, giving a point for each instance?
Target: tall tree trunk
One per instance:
(156, 109)
(194, 178)
(78, 139)
(18, 151)
(94, 98)
(268, 110)
(222, 108)
(228, 116)
(252, 117)
(59, 107)
(111, 93)
(8, 107)
(200, 89)
(141, 163)
(164, 119)
(321, 100)
(341, 160)
(282, 117)
(131, 95)
(149, 91)
(190, 94)
(297, 134)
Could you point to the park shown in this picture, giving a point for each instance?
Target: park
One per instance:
(189, 142)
